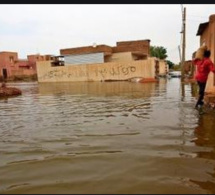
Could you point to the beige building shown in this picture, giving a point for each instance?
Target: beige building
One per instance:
(127, 60)
(206, 31)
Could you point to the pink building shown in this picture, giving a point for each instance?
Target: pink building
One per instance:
(8, 63)
(32, 59)
(11, 65)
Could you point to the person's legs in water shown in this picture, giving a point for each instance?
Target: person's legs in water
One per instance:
(201, 94)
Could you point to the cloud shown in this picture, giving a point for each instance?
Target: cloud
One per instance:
(48, 28)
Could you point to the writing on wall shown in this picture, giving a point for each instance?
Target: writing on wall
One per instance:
(115, 71)
(60, 73)
(80, 72)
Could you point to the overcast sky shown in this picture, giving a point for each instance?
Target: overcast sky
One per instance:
(47, 28)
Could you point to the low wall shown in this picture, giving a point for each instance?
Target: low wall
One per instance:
(95, 72)
(210, 87)
(162, 67)
(23, 72)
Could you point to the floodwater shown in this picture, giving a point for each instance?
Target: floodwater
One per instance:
(106, 137)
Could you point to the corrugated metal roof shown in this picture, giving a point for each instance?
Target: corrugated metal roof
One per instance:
(84, 59)
(202, 27)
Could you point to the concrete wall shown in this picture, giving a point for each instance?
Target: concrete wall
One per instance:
(32, 59)
(204, 37)
(163, 67)
(23, 72)
(121, 57)
(209, 37)
(96, 72)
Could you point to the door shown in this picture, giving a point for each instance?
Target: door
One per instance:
(4, 71)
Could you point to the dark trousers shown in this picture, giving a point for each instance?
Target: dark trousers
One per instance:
(201, 93)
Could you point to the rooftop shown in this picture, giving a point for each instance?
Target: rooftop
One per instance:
(202, 27)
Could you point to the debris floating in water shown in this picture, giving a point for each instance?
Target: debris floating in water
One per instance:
(9, 91)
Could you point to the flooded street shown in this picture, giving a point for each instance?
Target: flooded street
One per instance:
(106, 137)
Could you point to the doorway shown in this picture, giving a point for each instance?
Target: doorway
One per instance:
(4, 72)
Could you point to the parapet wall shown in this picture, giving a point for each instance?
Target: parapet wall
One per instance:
(96, 72)
(85, 50)
(142, 46)
(132, 46)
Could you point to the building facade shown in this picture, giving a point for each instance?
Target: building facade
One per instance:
(206, 31)
(11, 66)
(126, 60)
(123, 51)
(8, 63)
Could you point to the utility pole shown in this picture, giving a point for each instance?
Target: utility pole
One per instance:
(183, 43)
(179, 50)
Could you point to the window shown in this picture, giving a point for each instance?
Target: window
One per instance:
(11, 59)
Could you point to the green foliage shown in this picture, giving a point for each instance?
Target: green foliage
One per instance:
(159, 52)
(170, 64)
(177, 67)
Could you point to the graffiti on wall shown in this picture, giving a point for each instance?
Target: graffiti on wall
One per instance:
(63, 74)
(115, 71)
(78, 72)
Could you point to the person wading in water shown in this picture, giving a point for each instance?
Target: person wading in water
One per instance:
(204, 66)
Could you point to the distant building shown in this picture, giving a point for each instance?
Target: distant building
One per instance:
(123, 51)
(11, 66)
(126, 60)
(32, 59)
(8, 63)
(188, 67)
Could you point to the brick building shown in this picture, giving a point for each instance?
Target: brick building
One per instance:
(11, 66)
(8, 63)
(127, 60)
(123, 51)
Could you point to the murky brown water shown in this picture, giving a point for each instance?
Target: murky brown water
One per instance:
(115, 137)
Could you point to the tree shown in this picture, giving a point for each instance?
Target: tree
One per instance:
(158, 52)
(170, 64)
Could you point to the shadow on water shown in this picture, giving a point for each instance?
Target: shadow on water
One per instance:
(106, 137)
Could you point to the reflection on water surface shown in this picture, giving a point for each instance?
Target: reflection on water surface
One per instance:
(106, 137)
